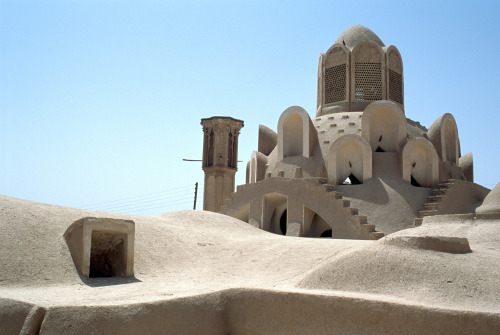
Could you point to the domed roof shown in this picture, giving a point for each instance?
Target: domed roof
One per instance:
(356, 34)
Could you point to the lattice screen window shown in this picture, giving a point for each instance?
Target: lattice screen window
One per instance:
(395, 86)
(335, 84)
(368, 81)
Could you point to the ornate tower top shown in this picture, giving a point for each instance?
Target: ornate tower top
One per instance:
(220, 159)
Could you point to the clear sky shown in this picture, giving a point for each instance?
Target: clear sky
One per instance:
(101, 100)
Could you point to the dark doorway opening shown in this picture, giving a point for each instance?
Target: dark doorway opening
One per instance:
(107, 255)
(283, 222)
(379, 149)
(326, 233)
(414, 182)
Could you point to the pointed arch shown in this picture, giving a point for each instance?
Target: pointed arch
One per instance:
(296, 133)
(383, 125)
(443, 134)
(349, 154)
(420, 161)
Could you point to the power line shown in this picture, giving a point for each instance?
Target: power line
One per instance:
(154, 200)
(144, 200)
(144, 203)
(156, 205)
(138, 196)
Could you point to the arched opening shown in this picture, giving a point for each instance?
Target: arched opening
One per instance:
(350, 163)
(350, 157)
(326, 233)
(383, 125)
(292, 136)
(383, 131)
(283, 222)
(314, 225)
(420, 163)
(274, 213)
(296, 133)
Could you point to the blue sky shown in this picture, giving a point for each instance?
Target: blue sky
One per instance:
(101, 100)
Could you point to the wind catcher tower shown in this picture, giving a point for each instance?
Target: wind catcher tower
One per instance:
(220, 159)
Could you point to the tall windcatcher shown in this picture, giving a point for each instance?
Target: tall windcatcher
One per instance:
(220, 159)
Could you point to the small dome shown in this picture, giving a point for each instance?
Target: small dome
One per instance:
(356, 34)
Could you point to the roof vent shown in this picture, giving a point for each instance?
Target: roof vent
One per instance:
(102, 247)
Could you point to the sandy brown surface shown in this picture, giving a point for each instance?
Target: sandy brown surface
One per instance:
(200, 272)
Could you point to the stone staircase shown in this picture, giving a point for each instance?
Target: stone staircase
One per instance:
(361, 219)
(237, 199)
(431, 206)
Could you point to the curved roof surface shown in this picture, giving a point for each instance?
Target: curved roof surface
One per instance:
(356, 34)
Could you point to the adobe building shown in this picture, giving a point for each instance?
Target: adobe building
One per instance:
(360, 168)
(357, 171)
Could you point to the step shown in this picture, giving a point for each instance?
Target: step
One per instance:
(376, 235)
(354, 211)
(328, 187)
(428, 212)
(363, 219)
(431, 205)
(368, 227)
(439, 191)
(347, 203)
(436, 198)
(338, 195)
(417, 222)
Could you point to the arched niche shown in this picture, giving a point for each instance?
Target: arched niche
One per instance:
(420, 161)
(443, 134)
(314, 225)
(296, 133)
(367, 72)
(336, 79)
(274, 212)
(383, 125)
(349, 154)
(257, 166)
(394, 75)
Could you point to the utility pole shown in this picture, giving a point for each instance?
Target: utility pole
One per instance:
(195, 194)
